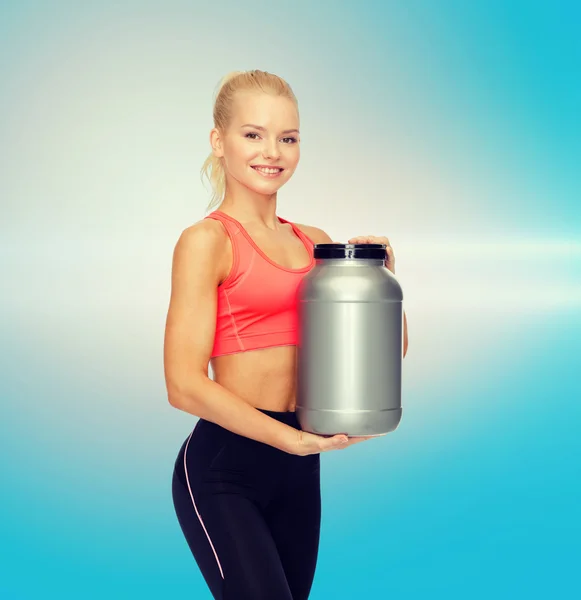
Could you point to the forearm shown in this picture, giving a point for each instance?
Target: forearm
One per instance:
(213, 402)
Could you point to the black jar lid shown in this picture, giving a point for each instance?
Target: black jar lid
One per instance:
(368, 251)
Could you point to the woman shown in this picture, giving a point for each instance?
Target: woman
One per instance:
(246, 483)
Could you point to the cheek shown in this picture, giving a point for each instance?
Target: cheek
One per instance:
(293, 155)
(241, 152)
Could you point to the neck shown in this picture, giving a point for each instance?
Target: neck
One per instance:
(251, 208)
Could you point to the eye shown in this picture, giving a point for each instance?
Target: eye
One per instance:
(293, 140)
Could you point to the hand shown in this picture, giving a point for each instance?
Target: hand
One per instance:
(371, 239)
(311, 443)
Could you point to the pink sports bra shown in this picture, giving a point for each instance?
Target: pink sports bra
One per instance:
(257, 302)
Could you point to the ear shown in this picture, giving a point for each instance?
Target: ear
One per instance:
(216, 143)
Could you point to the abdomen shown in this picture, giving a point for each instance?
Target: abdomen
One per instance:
(265, 378)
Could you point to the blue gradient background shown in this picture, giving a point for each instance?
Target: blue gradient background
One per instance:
(453, 128)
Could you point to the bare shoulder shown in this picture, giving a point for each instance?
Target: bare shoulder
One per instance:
(205, 242)
(316, 234)
(207, 235)
(204, 231)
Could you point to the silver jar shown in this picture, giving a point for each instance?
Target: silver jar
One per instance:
(350, 342)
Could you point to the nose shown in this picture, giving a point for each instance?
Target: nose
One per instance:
(270, 149)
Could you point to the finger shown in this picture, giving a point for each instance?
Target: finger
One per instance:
(337, 441)
(360, 438)
(357, 440)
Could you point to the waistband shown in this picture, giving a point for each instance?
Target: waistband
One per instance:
(287, 417)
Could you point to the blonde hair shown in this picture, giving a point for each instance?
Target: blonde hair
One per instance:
(236, 81)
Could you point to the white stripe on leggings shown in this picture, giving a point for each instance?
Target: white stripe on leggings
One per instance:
(196, 508)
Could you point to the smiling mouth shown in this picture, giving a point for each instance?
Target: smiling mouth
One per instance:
(269, 170)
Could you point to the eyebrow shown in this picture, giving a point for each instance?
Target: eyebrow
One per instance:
(263, 129)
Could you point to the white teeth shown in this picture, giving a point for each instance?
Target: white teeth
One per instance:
(268, 171)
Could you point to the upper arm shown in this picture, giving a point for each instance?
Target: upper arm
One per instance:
(191, 318)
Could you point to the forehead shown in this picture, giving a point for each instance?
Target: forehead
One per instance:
(265, 110)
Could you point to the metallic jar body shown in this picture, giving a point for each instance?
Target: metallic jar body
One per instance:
(349, 370)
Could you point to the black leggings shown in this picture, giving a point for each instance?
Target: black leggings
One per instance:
(250, 513)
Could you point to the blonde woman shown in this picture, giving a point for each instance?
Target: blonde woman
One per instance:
(246, 482)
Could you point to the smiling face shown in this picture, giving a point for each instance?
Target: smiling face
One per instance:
(263, 132)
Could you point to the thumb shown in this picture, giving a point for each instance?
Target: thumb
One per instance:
(337, 441)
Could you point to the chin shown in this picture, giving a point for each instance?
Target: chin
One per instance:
(266, 190)
(267, 187)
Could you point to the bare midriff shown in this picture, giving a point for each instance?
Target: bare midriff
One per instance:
(265, 378)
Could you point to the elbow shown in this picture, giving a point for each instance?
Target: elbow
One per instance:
(173, 396)
(180, 395)
(174, 399)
